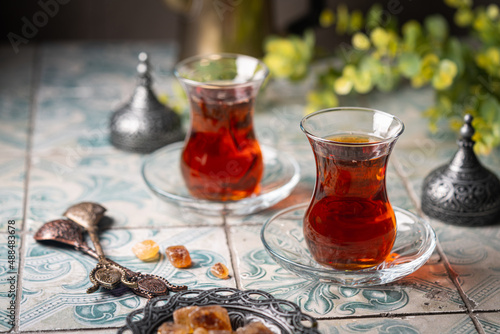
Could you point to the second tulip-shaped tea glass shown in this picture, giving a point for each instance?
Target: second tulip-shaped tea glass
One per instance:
(350, 224)
(221, 159)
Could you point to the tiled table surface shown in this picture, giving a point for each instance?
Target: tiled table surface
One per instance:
(55, 102)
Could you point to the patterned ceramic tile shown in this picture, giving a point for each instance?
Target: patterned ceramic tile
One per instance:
(490, 322)
(301, 194)
(9, 268)
(279, 125)
(74, 126)
(427, 290)
(76, 122)
(55, 279)
(14, 122)
(82, 84)
(15, 90)
(443, 324)
(473, 254)
(115, 181)
(12, 177)
(101, 64)
(398, 195)
(417, 161)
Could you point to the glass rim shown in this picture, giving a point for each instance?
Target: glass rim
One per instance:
(217, 56)
(361, 109)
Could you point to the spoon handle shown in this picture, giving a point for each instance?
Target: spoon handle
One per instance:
(95, 240)
(84, 248)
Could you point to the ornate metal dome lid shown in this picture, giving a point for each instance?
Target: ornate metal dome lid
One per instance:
(143, 124)
(463, 192)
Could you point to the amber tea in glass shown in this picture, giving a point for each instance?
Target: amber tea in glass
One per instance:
(350, 224)
(221, 159)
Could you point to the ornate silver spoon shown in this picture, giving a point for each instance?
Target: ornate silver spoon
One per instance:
(69, 233)
(105, 274)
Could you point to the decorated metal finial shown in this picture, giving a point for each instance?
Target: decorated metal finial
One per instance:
(143, 69)
(463, 192)
(467, 130)
(143, 124)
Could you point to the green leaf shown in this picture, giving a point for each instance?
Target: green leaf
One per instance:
(463, 17)
(437, 27)
(412, 31)
(490, 110)
(327, 78)
(343, 86)
(496, 130)
(326, 18)
(380, 39)
(458, 3)
(443, 78)
(363, 82)
(342, 19)
(409, 64)
(321, 99)
(492, 11)
(489, 60)
(357, 21)
(289, 58)
(360, 41)
(371, 65)
(386, 80)
(455, 52)
(374, 16)
(349, 72)
(309, 38)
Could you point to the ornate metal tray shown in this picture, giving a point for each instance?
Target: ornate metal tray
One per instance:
(279, 315)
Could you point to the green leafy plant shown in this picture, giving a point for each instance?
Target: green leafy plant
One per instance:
(464, 73)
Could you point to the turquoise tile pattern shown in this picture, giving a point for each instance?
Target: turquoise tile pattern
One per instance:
(55, 103)
(443, 324)
(54, 278)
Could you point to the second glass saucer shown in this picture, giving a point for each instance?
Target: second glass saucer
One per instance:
(162, 174)
(283, 239)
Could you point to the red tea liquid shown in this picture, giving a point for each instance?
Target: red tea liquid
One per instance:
(350, 223)
(222, 159)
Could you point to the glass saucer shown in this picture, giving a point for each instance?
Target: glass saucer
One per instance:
(283, 239)
(162, 174)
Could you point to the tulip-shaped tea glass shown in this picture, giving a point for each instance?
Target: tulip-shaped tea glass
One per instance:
(350, 224)
(221, 159)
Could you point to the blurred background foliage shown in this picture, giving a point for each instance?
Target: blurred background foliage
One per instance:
(463, 72)
(364, 47)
